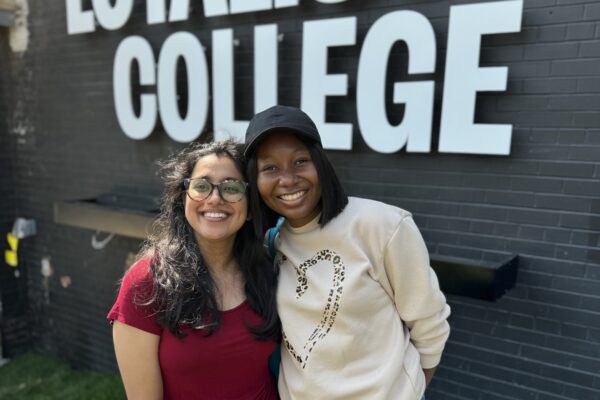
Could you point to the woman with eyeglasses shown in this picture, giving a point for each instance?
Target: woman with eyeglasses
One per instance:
(195, 317)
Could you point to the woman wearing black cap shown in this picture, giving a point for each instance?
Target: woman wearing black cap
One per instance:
(361, 309)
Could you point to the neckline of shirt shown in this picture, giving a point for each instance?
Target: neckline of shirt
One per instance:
(309, 226)
(236, 308)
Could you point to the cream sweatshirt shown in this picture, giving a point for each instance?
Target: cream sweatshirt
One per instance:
(361, 308)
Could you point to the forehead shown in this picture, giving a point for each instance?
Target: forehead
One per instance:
(280, 140)
(216, 167)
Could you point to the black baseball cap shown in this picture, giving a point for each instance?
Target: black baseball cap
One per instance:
(279, 117)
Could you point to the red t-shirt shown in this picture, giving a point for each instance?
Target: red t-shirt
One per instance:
(230, 364)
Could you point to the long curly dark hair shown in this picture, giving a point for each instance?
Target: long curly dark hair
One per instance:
(184, 292)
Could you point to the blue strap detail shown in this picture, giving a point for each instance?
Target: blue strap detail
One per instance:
(272, 235)
(274, 361)
(275, 358)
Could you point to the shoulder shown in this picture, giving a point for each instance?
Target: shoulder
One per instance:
(139, 270)
(138, 277)
(132, 306)
(375, 213)
(370, 221)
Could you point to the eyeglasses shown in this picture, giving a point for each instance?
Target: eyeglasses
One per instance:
(231, 191)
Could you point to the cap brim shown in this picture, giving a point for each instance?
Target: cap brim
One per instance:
(251, 147)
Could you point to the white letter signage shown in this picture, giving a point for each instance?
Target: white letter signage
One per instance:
(112, 17)
(464, 78)
(317, 84)
(186, 46)
(134, 48)
(416, 31)
(79, 21)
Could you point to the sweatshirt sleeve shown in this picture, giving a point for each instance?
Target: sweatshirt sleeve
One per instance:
(417, 296)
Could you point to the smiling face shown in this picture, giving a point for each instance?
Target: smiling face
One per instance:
(287, 179)
(213, 219)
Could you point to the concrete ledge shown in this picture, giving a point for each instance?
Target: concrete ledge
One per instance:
(122, 214)
(8, 5)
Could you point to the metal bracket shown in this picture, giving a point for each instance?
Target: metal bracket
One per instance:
(479, 279)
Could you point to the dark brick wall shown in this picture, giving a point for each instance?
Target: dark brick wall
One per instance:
(540, 342)
(14, 330)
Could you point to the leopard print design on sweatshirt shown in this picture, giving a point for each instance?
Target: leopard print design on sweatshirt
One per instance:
(333, 300)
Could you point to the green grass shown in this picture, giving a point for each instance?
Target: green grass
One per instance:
(40, 377)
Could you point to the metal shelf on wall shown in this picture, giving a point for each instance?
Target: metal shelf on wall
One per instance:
(122, 214)
(480, 279)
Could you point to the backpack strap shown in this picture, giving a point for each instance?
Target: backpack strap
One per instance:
(271, 237)
(272, 234)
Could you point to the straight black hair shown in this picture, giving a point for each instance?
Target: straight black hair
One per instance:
(333, 196)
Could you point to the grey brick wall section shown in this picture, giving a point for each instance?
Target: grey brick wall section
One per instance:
(540, 342)
(14, 327)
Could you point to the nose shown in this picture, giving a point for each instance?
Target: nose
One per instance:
(214, 197)
(287, 177)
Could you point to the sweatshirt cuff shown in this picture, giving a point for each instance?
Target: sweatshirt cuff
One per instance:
(430, 361)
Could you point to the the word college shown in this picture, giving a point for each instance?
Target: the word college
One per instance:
(458, 133)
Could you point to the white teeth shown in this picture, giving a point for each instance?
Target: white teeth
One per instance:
(293, 196)
(215, 215)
